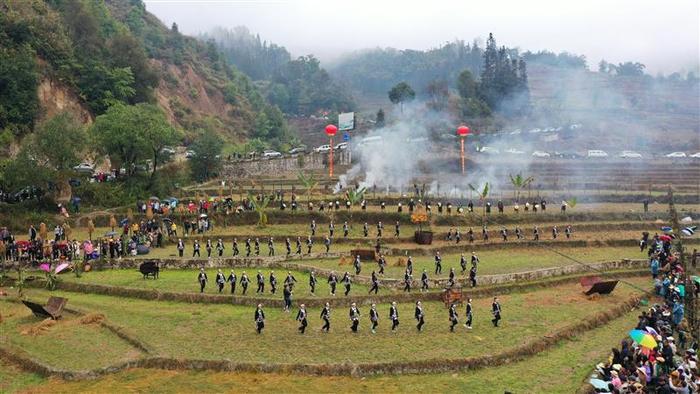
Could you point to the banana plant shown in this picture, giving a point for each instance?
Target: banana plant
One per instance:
(309, 183)
(355, 196)
(261, 208)
(482, 195)
(519, 183)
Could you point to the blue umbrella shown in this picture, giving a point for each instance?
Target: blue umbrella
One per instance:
(667, 229)
(599, 384)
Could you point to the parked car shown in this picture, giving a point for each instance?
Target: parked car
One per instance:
(323, 149)
(167, 150)
(628, 154)
(341, 146)
(695, 155)
(489, 150)
(269, 154)
(539, 153)
(676, 154)
(190, 154)
(567, 155)
(514, 151)
(86, 168)
(596, 153)
(297, 150)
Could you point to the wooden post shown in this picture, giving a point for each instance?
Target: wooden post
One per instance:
(330, 171)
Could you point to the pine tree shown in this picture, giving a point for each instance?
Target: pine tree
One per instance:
(380, 121)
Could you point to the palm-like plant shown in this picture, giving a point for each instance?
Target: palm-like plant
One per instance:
(482, 195)
(309, 183)
(356, 195)
(519, 183)
(261, 208)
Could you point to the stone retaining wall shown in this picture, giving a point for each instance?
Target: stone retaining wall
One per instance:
(297, 264)
(232, 170)
(320, 300)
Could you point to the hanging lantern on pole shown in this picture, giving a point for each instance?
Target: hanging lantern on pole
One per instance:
(462, 132)
(330, 131)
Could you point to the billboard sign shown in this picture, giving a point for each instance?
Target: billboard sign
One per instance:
(346, 121)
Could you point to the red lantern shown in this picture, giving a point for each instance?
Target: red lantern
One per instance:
(331, 130)
(462, 131)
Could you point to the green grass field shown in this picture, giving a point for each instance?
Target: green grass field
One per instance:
(558, 370)
(184, 280)
(69, 344)
(206, 331)
(495, 261)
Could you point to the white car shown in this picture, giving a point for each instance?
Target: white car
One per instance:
(516, 132)
(514, 151)
(341, 146)
(190, 154)
(535, 131)
(167, 150)
(695, 155)
(539, 153)
(85, 168)
(269, 154)
(628, 154)
(489, 150)
(597, 153)
(676, 154)
(323, 148)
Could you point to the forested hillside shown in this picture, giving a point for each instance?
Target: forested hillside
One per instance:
(95, 53)
(297, 86)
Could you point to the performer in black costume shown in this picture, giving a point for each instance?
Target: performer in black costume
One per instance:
(202, 278)
(424, 281)
(374, 317)
(232, 280)
(453, 317)
(301, 317)
(244, 282)
(326, 317)
(375, 283)
(468, 313)
(496, 310)
(312, 282)
(407, 280)
(273, 282)
(260, 280)
(220, 280)
(438, 263)
(235, 247)
(420, 316)
(332, 282)
(394, 316)
(346, 282)
(259, 319)
(354, 317)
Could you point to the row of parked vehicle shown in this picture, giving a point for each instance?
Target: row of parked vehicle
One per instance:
(300, 150)
(592, 153)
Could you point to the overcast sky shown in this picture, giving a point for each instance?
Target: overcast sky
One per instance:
(662, 34)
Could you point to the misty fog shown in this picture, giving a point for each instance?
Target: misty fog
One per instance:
(664, 36)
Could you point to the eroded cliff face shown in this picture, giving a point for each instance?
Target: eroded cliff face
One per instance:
(189, 99)
(55, 97)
